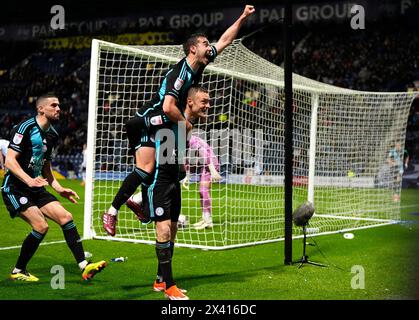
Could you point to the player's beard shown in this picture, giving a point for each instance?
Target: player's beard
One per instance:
(54, 119)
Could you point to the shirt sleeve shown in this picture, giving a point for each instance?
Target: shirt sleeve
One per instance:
(48, 155)
(18, 139)
(214, 54)
(175, 80)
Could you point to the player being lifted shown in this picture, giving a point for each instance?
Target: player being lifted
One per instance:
(166, 107)
(24, 193)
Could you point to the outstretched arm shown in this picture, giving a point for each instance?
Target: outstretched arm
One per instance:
(206, 153)
(230, 34)
(215, 175)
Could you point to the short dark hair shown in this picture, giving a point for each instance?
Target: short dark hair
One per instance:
(45, 96)
(191, 41)
(194, 90)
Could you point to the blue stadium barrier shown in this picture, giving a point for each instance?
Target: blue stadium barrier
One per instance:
(69, 165)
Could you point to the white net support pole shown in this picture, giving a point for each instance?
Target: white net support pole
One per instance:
(312, 150)
(88, 230)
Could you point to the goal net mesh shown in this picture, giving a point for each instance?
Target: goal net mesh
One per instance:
(342, 140)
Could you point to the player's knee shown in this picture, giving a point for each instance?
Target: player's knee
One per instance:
(163, 231)
(163, 235)
(41, 227)
(65, 218)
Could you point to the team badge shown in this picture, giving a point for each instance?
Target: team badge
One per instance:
(23, 200)
(159, 211)
(178, 83)
(17, 138)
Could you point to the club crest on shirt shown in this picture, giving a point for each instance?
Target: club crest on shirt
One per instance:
(159, 211)
(17, 138)
(178, 83)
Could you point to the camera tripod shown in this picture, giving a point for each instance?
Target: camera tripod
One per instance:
(304, 258)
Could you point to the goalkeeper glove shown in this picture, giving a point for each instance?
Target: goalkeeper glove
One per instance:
(215, 176)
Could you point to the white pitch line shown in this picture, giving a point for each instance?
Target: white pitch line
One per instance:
(42, 244)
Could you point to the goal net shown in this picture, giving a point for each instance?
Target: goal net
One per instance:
(342, 141)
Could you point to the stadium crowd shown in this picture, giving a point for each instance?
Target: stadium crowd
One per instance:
(378, 59)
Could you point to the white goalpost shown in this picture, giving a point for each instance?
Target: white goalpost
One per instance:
(342, 139)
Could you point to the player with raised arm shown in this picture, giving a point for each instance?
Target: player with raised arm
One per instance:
(28, 164)
(165, 109)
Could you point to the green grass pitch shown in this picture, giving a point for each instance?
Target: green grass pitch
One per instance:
(388, 256)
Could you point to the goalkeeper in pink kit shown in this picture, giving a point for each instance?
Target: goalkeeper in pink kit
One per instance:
(202, 161)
